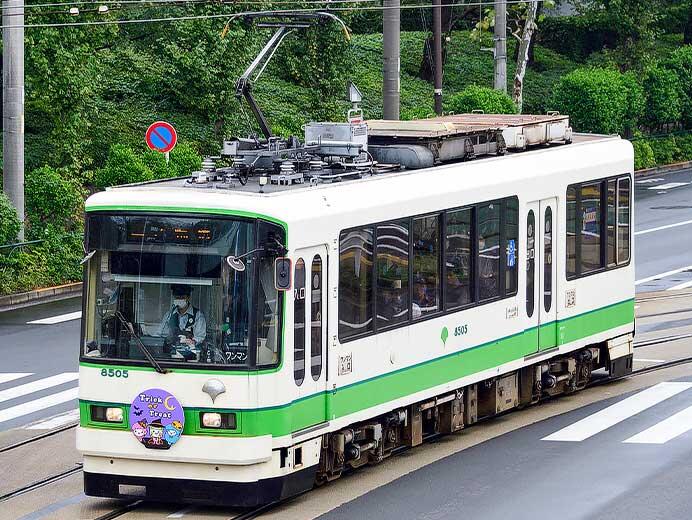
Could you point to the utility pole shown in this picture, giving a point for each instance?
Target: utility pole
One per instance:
(13, 105)
(391, 29)
(501, 45)
(437, 49)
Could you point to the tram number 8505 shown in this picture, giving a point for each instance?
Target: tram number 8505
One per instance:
(110, 372)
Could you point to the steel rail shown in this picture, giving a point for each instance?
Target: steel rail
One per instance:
(41, 483)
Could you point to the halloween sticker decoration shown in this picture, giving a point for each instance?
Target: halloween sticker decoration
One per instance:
(156, 419)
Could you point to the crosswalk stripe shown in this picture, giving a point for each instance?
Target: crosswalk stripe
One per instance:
(660, 433)
(35, 386)
(38, 404)
(57, 319)
(683, 285)
(618, 412)
(11, 376)
(56, 421)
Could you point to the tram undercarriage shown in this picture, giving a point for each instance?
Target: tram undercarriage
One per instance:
(372, 441)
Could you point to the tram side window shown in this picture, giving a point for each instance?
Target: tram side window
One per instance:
(511, 229)
(571, 232)
(598, 226)
(355, 282)
(610, 222)
(299, 323)
(488, 250)
(530, 262)
(458, 259)
(426, 266)
(591, 240)
(392, 272)
(623, 221)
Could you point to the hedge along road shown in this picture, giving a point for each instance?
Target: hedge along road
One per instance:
(50, 344)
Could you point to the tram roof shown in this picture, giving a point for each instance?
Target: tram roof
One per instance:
(304, 201)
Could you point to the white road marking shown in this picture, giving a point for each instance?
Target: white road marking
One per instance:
(617, 412)
(650, 360)
(57, 319)
(56, 421)
(661, 228)
(683, 285)
(11, 376)
(660, 433)
(38, 404)
(649, 181)
(663, 275)
(36, 386)
(181, 513)
(668, 186)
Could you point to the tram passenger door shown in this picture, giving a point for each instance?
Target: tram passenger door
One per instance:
(547, 267)
(310, 335)
(541, 273)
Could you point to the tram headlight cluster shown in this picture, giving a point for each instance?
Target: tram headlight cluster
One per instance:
(106, 414)
(222, 421)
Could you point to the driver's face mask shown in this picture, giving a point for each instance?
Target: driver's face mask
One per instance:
(181, 303)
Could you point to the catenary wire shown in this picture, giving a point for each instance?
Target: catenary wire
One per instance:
(238, 15)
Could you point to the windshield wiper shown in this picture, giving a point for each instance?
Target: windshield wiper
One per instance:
(157, 366)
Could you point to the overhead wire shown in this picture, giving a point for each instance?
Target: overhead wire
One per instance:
(238, 15)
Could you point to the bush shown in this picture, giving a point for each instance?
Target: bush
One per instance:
(9, 223)
(52, 201)
(662, 97)
(684, 147)
(486, 99)
(184, 161)
(156, 162)
(598, 100)
(665, 150)
(643, 155)
(123, 166)
(680, 61)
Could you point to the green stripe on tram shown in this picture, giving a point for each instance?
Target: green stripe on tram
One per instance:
(387, 387)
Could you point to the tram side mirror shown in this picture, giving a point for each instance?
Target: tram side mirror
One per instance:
(282, 274)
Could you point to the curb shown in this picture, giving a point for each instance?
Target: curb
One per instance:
(661, 170)
(49, 294)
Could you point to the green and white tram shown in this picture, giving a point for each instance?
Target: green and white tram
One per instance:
(243, 341)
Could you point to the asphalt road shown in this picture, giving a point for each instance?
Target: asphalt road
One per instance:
(626, 457)
(663, 231)
(46, 353)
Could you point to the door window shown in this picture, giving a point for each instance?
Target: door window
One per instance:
(548, 260)
(530, 262)
(316, 318)
(299, 323)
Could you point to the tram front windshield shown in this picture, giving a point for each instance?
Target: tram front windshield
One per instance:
(187, 290)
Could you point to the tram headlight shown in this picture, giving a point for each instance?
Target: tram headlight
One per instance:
(221, 421)
(211, 420)
(106, 414)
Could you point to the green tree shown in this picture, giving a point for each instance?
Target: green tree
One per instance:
(52, 201)
(123, 166)
(598, 100)
(662, 97)
(486, 99)
(680, 61)
(9, 223)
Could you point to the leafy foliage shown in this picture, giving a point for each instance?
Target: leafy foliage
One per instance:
(598, 100)
(9, 223)
(52, 202)
(643, 155)
(662, 97)
(680, 61)
(481, 98)
(123, 166)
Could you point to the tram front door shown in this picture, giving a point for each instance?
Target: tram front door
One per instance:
(310, 335)
(541, 270)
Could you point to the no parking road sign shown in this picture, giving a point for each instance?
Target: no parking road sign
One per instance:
(161, 137)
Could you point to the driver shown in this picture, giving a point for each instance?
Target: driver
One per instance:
(184, 325)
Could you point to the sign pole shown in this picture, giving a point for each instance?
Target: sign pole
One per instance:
(168, 157)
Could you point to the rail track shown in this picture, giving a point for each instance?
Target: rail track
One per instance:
(130, 506)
